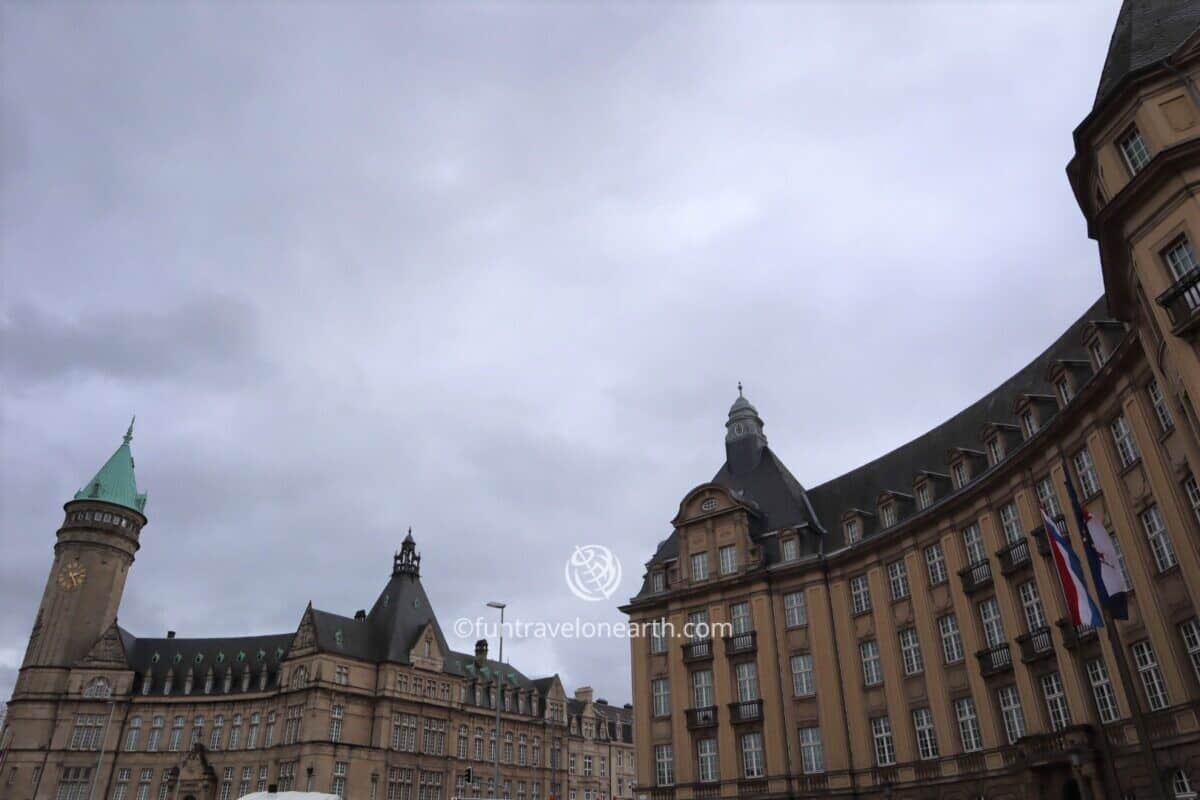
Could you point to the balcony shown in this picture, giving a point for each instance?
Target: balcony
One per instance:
(1182, 301)
(745, 711)
(662, 793)
(1035, 645)
(741, 643)
(976, 576)
(751, 786)
(994, 660)
(1038, 535)
(705, 717)
(1014, 557)
(1075, 635)
(706, 791)
(699, 650)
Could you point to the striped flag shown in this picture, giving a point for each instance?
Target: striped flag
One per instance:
(1102, 557)
(1079, 602)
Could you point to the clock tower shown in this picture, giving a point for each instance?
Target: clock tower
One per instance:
(95, 548)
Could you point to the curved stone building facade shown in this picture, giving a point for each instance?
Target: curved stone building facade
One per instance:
(901, 631)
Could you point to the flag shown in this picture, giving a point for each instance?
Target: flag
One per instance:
(1079, 602)
(1102, 557)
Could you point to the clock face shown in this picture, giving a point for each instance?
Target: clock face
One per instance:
(72, 576)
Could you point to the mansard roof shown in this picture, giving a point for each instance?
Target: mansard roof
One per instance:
(162, 655)
(1146, 33)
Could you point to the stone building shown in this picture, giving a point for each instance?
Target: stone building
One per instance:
(374, 706)
(900, 630)
(600, 757)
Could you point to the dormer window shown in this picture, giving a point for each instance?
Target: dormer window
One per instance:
(961, 474)
(853, 531)
(1064, 390)
(658, 582)
(1133, 150)
(888, 514)
(924, 494)
(995, 449)
(1099, 356)
(790, 549)
(1029, 423)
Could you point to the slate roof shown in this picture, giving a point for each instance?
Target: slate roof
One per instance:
(784, 503)
(159, 656)
(398, 617)
(1146, 32)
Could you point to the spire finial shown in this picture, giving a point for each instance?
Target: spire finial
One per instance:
(129, 433)
(739, 388)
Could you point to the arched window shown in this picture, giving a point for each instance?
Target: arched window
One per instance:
(1181, 786)
(208, 681)
(228, 680)
(188, 681)
(156, 730)
(218, 732)
(262, 679)
(299, 678)
(135, 731)
(235, 732)
(252, 734)
(246, 678)
(98, 687)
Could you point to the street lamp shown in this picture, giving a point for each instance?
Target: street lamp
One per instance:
(496, 695)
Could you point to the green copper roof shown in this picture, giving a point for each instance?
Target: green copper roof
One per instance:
(114, 483)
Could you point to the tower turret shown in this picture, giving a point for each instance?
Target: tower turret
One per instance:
(744, 437)
(95, 548)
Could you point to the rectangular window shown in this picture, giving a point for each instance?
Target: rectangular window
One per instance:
(338, 786)
(658, 637)
(995, 450)
(853, 532)
(961, 476)
(1047, 498)
(739, 617)
(968, 725)
(337, 715)
(1160, 541)
(706, 760)
(1152, 679)
(1192, 489)
(935, 564)
(661, 693)
(658, 582)
(885, 746)
(1028, 423)
(1085, 468)
(910, 652)
(795, 610)
(790, 550)
(887, 514)
(952, 644)
(747, 681)
(729, 560)
(1065, 392)
(898, 579)
(872, 669)
(927, 746)
(702, 688)
(1123, 439)
(1011, 712)
(1190, 633)
(1161, 411)
(860, 594)
(1056, 701)
(1031, 603)
(699, 566)
(697, 626)
(802, 675)
(1010, 523)
(924, 495)
(752, 755)
(664, 765)
(989, 618)
(812, 752)
(1102, 690)
(1133, 150)
(973, 543)
(121, 790)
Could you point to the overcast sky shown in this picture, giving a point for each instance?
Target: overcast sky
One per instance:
(494, 270)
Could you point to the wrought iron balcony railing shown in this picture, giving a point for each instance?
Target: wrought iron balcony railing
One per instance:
(994, 660)
(699, 650)
(741, 643)
(1014, 556)
(1182, 300)
(1035, 644)
(746, 711)
(704, 717)
(976, 576)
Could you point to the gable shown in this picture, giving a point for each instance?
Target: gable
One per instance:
(108, 651)
(426, 652)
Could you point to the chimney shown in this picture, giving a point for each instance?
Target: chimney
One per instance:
(170, 634)
(584, 694)
(361, 614)
(481, 650)
(600, 701)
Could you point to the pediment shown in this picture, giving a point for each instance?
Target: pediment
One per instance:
(305, 640)
(706, 500)
(426, 653)
(108, 651)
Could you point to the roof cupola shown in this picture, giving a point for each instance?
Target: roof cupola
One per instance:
(744, 437)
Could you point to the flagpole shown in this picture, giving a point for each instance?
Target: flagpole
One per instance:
(1135, 709)
(1102, 593)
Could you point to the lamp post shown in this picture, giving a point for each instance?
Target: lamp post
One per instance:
(496, 695)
